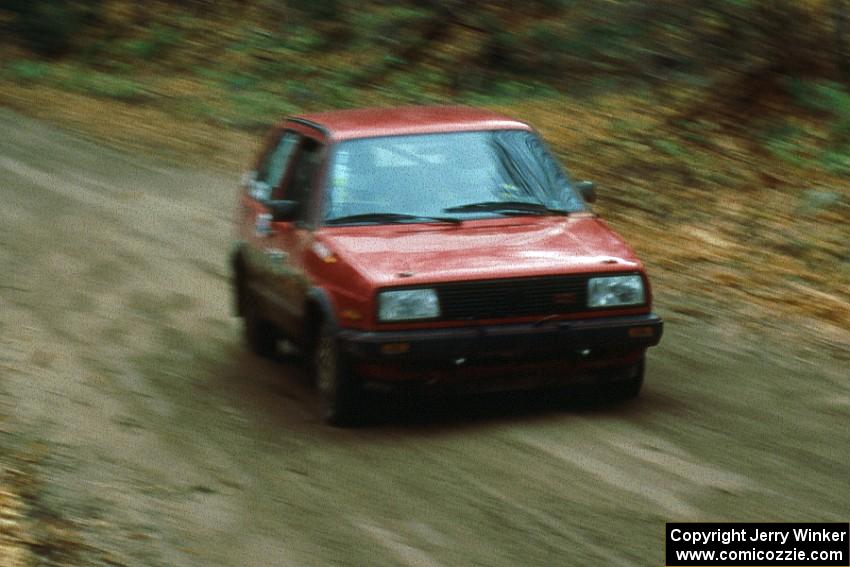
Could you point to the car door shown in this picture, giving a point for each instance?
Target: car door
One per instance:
(259, 186)
(291, 239)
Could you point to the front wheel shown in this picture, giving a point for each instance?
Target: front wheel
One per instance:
(260, 334)
(339, 392)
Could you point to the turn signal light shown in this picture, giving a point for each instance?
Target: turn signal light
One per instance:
(641, 332)
(395, 348)
(351, 314)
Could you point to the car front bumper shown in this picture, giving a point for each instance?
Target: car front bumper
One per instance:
(570, 350)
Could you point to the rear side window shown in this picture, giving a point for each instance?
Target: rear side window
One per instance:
(303, 176)
(273, 165)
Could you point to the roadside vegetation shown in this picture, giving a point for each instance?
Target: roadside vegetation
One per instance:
(718, 132)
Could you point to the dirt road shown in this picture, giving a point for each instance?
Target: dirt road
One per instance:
(155, 439)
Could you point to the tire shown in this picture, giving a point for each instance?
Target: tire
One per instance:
(625, 388)
(339, 393)
(260, 335)
(238, 285)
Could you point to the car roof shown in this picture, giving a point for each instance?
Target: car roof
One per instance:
(372, 122)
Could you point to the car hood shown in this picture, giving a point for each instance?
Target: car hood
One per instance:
(409, 254)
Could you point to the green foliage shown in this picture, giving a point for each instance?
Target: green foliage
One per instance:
(544, 35)
(696, 131)
(670, 147)
(240, 81)
(603, 38)
(282, 55)
(255, 110)
(302, 39)
(158, 41)
(318, 9)
(388, 26)
(28, 71)
(822, 96)
(783, 142)
(49, 27)
(559, 42)
(79, 79)
(503, 52)
(785, 150)
(548, 6)
(413, 88)
(833, 100)
(506, 91)
(837, 160)
(106, 85)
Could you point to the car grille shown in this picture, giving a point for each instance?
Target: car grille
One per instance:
(495, 299)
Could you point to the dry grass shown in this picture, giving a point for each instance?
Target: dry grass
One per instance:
(13, 550)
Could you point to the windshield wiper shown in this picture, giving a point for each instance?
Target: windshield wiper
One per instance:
(506, 207)
(387, 218)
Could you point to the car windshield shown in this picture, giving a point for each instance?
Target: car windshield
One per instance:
(464, 175)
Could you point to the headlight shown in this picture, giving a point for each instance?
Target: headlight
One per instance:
(615, 291)
(407, 304)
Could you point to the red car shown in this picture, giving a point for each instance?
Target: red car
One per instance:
(434, 246)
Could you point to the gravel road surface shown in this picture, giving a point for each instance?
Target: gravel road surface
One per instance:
(156, 439)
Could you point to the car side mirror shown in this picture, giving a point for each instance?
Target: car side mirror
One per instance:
(248, 177)
(587, 190)
(282, 210)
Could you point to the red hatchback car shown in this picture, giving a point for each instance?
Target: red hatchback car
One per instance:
(434, 246)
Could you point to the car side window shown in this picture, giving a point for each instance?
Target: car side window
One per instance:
(304, 171)
(273, 165)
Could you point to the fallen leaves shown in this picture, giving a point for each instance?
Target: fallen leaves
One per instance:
(13, 550)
